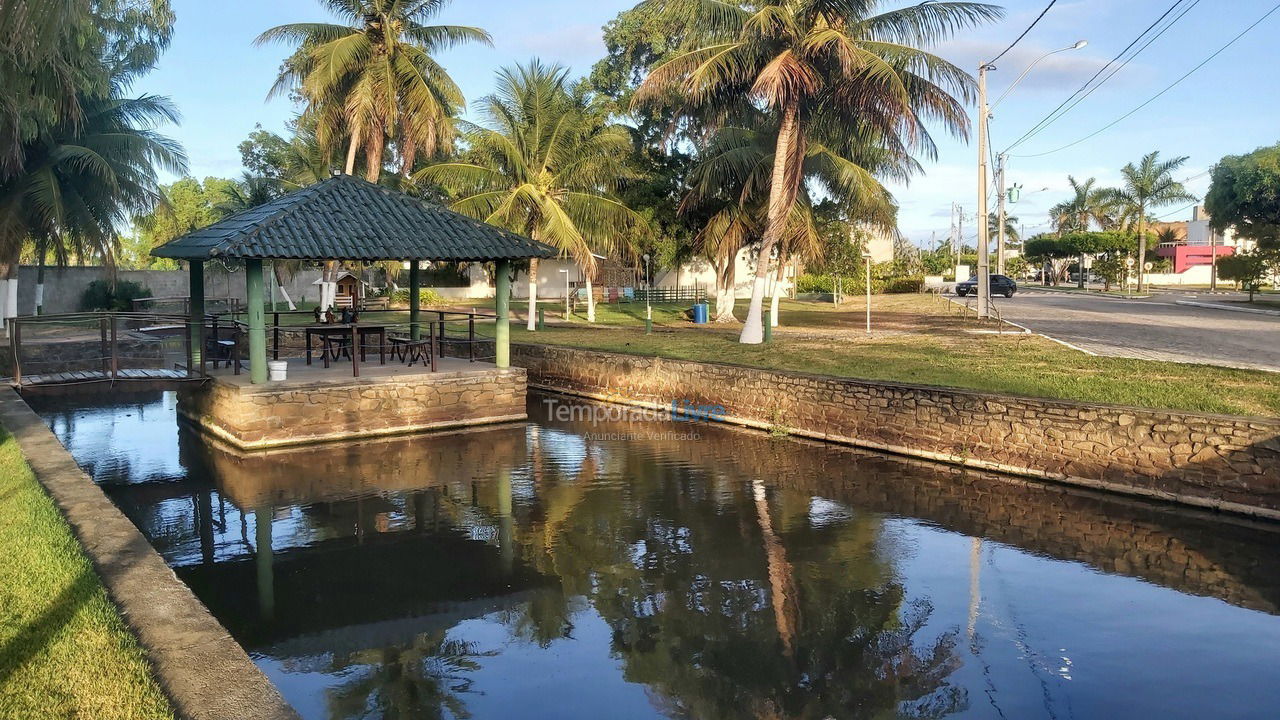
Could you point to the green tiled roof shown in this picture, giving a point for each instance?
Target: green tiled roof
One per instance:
(346, 218)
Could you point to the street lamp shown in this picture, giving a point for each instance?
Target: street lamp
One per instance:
(648, 304)
(866, 261)
(984, 232)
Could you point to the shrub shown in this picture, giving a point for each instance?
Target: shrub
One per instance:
(904, 284)
(426, 296)
(101, 295)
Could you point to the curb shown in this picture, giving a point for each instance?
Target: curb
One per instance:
(201, 668)
(1086, 293)
(1228, 308)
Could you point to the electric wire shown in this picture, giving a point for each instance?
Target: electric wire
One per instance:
(1018, 39)
(1089, 86)
(1155, 97)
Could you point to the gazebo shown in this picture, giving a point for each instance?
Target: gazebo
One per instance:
(346, 218)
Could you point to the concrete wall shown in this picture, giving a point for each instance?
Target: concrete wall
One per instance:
(698, 272)
(1216, 461)
(64, 287)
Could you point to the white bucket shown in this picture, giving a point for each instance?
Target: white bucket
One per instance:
(277, 369)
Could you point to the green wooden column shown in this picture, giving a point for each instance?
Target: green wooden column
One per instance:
(196, 310)
(502, 303)
(257, 321)
(415, 299)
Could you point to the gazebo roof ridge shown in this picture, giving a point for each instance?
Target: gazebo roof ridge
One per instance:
(348, 218)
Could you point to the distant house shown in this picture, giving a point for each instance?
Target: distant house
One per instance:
(350, 289)
(1196, 244)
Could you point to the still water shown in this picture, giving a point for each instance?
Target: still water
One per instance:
(656, 569)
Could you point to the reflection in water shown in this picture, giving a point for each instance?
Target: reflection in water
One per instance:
(541, 570)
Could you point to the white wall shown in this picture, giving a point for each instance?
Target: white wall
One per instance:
(701, 273)
(550, 279)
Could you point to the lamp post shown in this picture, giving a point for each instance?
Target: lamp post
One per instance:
(648, 300)
(984, 231)
(866, 263)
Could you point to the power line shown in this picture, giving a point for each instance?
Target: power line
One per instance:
(1062, 108)
(1175, 212)
(1024, 32)
(1172, 85)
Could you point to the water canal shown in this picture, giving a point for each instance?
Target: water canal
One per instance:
(560, 569)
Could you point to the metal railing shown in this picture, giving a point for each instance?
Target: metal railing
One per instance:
(397, 336)
(67, 348)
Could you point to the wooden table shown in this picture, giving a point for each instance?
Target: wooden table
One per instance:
(350, 332)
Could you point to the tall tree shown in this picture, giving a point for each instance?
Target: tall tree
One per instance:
(1245, 193)
(1147, 186)
(83, 177)
(543, 163)
(820, 68)
(375, 79)
(1088, 205)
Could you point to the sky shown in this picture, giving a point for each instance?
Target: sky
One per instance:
(219, 81)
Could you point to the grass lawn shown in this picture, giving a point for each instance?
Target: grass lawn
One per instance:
(916, 340)
(64, 652)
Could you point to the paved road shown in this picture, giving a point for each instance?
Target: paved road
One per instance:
(1155, 328)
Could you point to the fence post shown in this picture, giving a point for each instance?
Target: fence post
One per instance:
(355, 350)
(432, 352)
(471, 337)
(106, 354)
(441, 316)
(15, 343)
(115, 348)
(275, 335)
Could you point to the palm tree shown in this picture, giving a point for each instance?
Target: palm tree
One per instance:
(818, 68)
(737, 164)
(83, 177)
(544, 164)
(1147, 186)
(1088, 204)
(375, 78)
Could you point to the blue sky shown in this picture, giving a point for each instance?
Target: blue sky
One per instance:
(220, 81)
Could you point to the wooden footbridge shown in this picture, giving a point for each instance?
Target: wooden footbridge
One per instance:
(152, 350)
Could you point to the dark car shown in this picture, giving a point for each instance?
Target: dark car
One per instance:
(1000, 285)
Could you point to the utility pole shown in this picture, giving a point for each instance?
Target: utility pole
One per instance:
(1000, 168)
(1213, 260)
(958, 245)
(984, 249)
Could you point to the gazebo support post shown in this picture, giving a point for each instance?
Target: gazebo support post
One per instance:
(257, 321)
(502, 304)
(195, 363)
(415, 299)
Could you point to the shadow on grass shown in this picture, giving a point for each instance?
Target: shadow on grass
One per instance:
(44, 629)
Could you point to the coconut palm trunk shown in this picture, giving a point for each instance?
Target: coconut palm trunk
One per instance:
(1142, 246)
(352, 146)
(533, 293)
(591, 299)
(725, 276)
(777, 293)
(782, 194)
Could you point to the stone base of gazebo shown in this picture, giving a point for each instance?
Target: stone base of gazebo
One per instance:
(316, 405)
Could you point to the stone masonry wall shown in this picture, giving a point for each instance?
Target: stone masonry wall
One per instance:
(273, 415)
(1216, 461)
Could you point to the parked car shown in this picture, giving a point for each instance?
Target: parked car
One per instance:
(1000, 285)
